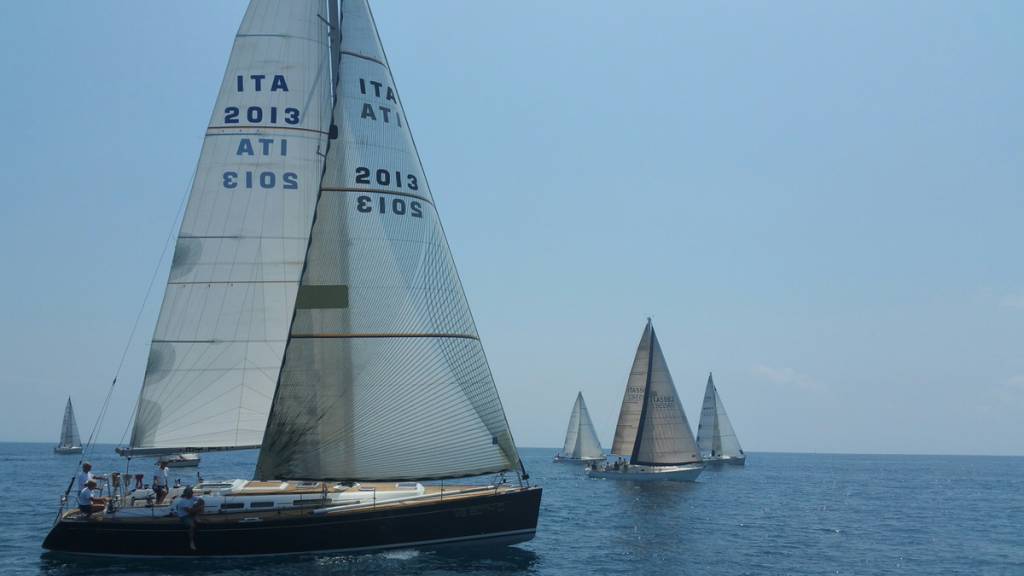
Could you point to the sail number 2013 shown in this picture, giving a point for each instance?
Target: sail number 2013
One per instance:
(383, 177)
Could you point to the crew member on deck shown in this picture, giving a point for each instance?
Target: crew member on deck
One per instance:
(86, 475)
(160, 482)
(187, 509)
(87, 504)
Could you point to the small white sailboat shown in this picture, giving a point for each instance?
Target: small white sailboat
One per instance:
(184, 460)
(70, 442)
(652, 432)
(581, 443)
(715, 436)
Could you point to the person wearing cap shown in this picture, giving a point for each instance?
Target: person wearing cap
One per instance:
(86, 502)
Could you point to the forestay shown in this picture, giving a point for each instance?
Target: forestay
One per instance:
(715, 434)
(384, 375)
(223, 324)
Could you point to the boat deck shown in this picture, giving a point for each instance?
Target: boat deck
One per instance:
(431, 494)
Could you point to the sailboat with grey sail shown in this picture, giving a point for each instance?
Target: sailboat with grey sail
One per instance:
(653, 439)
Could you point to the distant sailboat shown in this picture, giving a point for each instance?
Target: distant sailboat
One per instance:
(653, 432)
(184, 460)
(581, 443)
(715, 437)
(70, 443)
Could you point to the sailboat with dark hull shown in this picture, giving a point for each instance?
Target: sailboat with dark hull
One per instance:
(653, 437)
(581, 443)
(715, 436)
(313, 311)
(70, 441)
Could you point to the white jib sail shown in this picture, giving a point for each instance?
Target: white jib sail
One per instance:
(384, 375)
(223, 324)
(573, 431)
(69, 429)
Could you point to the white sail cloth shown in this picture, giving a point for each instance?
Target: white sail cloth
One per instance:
(580, 437)
(384, 375)
(652, 428)
(218, 344)
(715, 434)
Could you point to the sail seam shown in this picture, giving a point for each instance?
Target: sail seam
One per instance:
(372, 191)
(243, 128)
(364, 57)
(387, 335)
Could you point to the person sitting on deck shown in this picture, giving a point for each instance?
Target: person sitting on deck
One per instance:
(87, 503)
(160, 482)
(187, 509)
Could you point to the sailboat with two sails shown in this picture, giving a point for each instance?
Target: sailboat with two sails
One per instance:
(715, 436)
(581, 443)
(313, 311)
(653, 437)
(70, 442)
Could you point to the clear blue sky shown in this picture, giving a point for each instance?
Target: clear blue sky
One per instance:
(820, 201)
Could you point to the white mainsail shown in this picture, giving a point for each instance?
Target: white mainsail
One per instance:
(69, 429)
(581, 437)
(218, 344)
(384, 376)
(652, 428)
(715, 434)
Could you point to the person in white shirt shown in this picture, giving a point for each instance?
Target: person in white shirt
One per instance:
(86, 474)
(187, 508)
(160, 482)
(85, 498)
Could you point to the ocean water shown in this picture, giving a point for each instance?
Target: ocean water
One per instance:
(781, 514)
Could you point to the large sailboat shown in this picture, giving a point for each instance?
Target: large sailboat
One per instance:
(313, 310)
(715, 437)
(70, 442)
(653, 438)
(581, 443)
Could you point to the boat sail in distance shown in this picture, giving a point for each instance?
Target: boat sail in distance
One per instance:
(715, 437)
(581, 443)
(652, 432)
(313, 310)
(70, 442)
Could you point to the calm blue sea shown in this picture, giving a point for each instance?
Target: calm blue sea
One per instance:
(781, 514)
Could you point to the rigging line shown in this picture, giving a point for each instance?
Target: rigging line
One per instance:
(145, 300)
